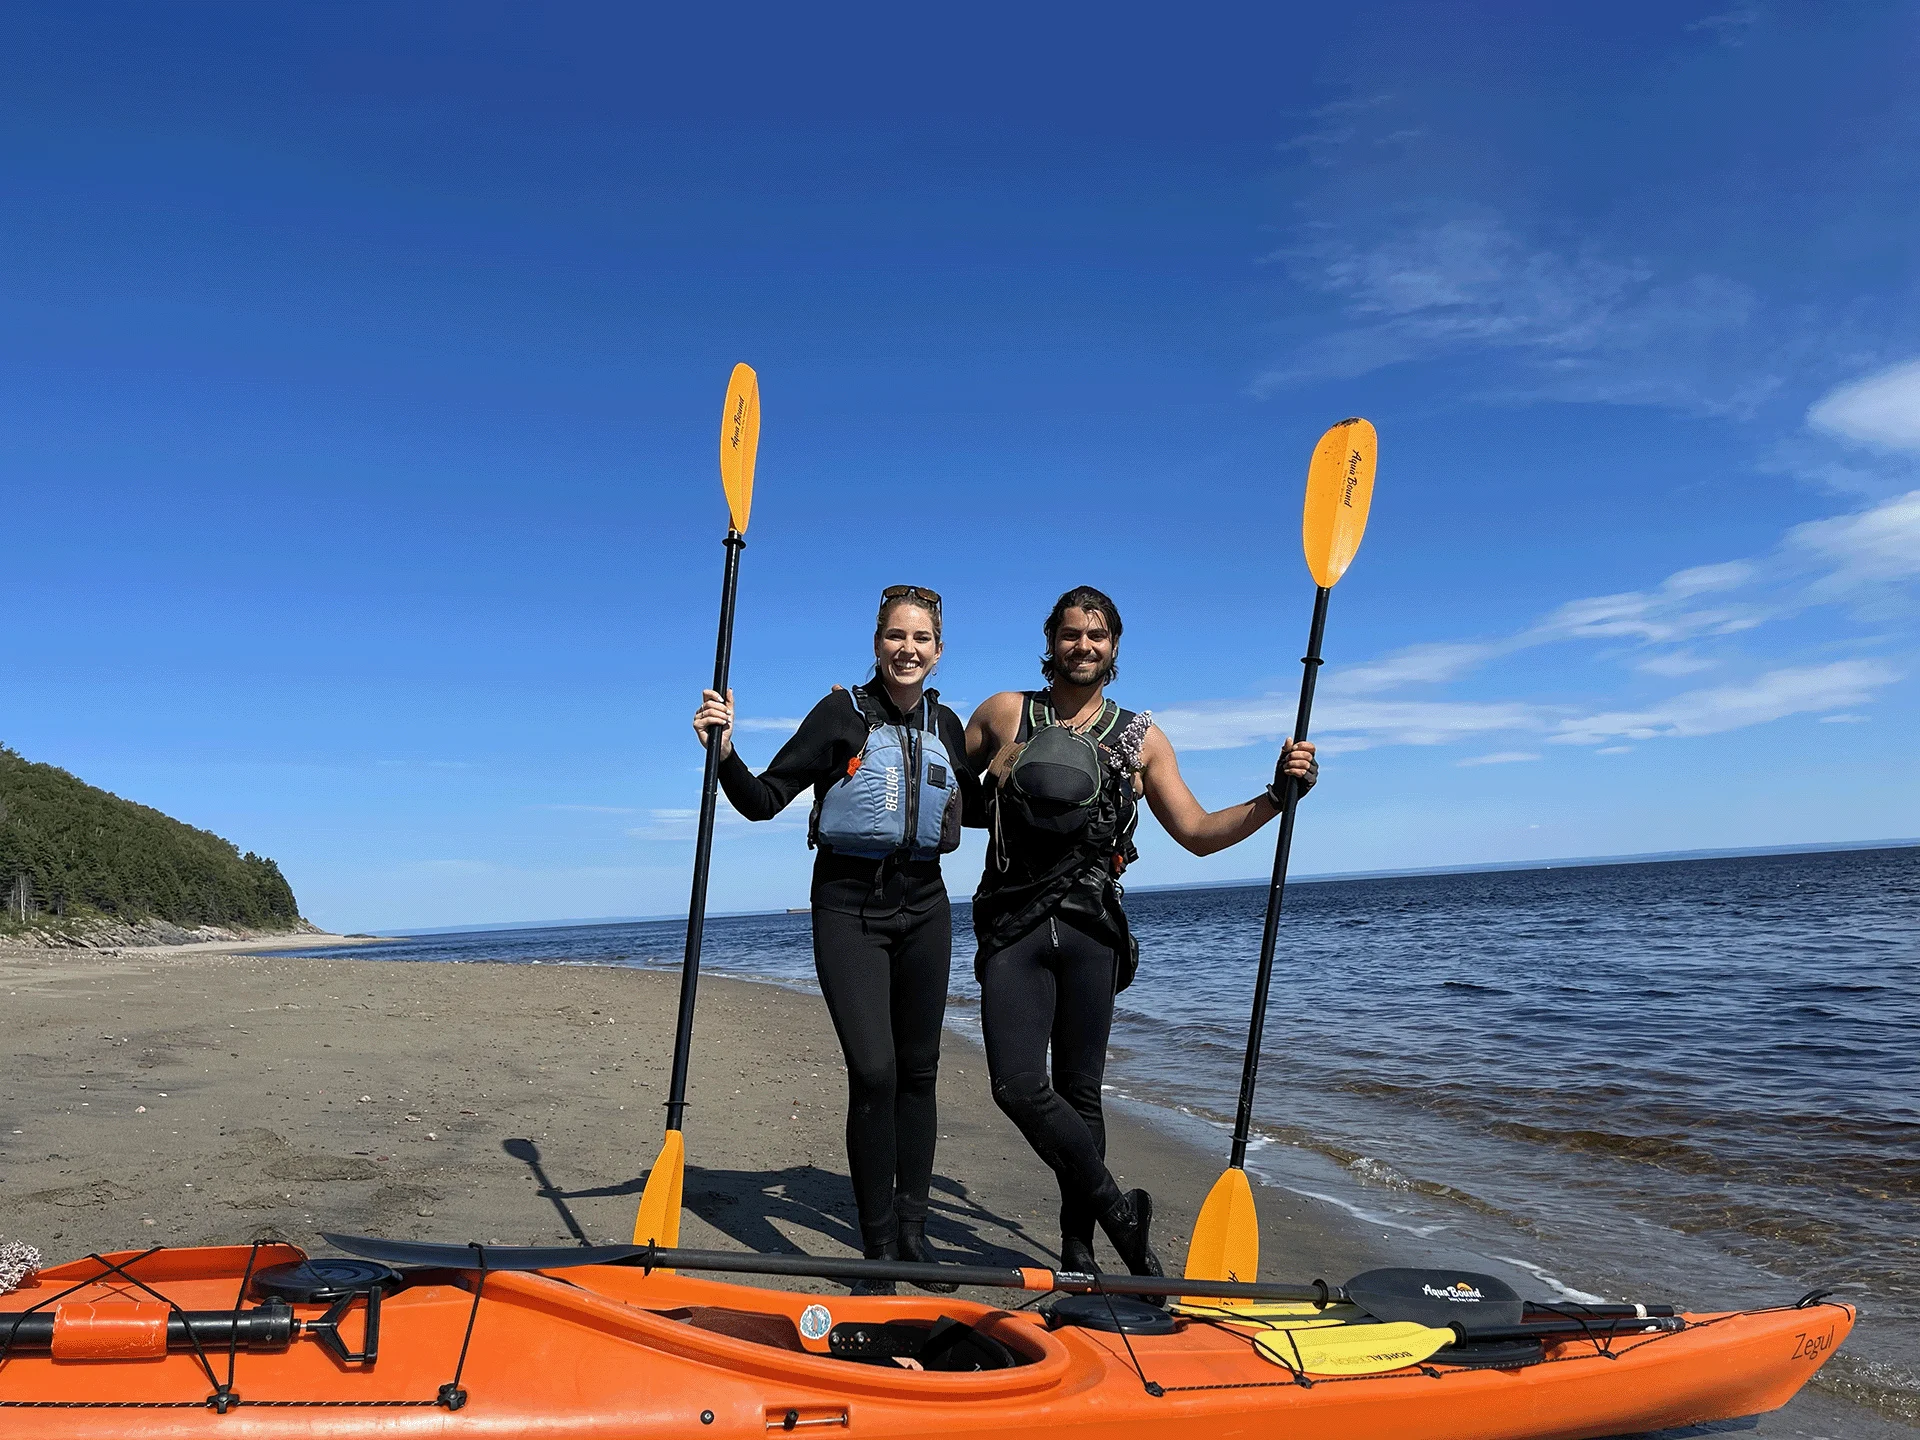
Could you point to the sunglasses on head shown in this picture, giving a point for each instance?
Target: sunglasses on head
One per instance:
(912, 592)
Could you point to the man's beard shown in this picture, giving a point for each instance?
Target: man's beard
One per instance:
(1100, 672)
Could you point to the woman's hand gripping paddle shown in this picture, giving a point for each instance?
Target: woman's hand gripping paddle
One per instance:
(1226, 1237)
(658, 1222)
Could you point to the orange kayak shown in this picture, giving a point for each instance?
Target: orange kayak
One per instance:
(615, 1351)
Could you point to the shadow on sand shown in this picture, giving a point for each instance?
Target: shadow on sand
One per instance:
(749, 1207)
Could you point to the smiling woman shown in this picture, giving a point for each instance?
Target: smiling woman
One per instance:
(887, 765)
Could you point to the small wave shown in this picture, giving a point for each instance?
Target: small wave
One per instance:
(1559, 1287)
(1372, 1218)
(1378, 1172)
(1892, 1390)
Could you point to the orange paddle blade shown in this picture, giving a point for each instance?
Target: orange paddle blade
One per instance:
(658, 1222)
(1226, 1237)
(740, 443)
(1339, 493)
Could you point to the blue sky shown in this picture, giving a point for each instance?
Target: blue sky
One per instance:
(360, 374)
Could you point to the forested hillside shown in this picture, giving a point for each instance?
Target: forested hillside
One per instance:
(68, 849)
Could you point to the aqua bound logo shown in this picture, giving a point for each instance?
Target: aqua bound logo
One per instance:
(1353, 478)
(1460, 1290)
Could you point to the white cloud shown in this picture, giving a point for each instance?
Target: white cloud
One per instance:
(1678, 662)
(1773, 696)
(1614, 750)
(1333, 127)
(1663, 615)
(1729, 27)
(1844, 719)
(1818, 562)
(1417, 664)
(1343, 725)
(1879, 544)
(1499, 757)
(1882, 410)
(1589, 327)
(680, 824)
(1346, 726)
(772, 724)
(1705, 579)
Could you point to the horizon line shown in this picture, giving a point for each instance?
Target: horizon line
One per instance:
(1648, 857)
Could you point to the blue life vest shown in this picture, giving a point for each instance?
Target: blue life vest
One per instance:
(900, 795)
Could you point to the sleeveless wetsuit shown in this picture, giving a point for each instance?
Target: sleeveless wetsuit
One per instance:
(1054, 950)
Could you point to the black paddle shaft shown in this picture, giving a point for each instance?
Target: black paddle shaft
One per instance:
(703, 844)
(1290, 798)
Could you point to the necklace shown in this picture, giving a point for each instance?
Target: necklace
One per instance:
(1080, 724)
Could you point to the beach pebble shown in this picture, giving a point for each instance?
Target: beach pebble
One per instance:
(364, 1099)
(141, 1109)
(427, 1213)
(433, 1134)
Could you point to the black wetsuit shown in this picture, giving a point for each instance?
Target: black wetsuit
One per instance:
(882, 947)
(1054, 950)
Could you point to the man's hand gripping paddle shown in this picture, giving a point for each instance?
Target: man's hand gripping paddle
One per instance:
(1226, 1237)
(658, 1222)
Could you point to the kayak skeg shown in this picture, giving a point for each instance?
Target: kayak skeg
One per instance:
(264, 1343)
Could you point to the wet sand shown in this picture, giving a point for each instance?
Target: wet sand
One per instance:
(197, 1095)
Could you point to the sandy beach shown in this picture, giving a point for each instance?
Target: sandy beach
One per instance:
(203, 1095)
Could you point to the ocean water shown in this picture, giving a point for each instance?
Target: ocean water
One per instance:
(1695, 1081)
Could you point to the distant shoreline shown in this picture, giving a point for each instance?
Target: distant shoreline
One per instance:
(168, 949)
(1653, 857)
(1572, 862)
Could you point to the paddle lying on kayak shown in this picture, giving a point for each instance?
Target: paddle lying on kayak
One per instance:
(1456, 1301)
(658, 1218)
(1226, 1236)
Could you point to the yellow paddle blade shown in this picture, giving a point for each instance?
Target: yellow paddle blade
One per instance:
(1339, 493)
(1353, 1349)
(1278, 1322)
(1271, 1315)
(1226, 1237)
(740, 443)
(658, 1222)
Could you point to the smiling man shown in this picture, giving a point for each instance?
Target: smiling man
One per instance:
(1064, 769)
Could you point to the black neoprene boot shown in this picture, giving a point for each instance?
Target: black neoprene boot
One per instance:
(1076, 1239)
(1077, 1255)
(913, 1246)
(1127, 1222)
(888, 1250)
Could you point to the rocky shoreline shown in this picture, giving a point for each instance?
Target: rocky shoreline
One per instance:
(112, 934)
